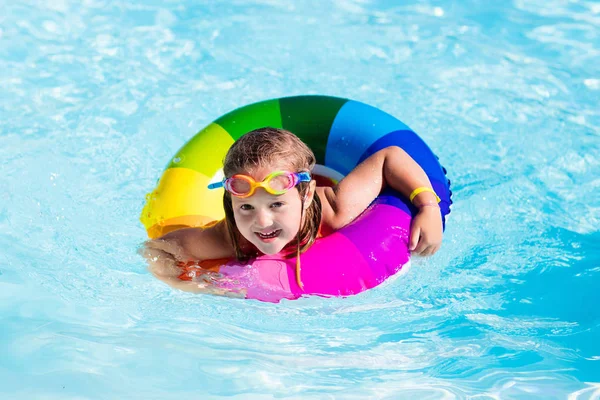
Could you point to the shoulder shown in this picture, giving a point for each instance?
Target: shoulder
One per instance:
(329, 210)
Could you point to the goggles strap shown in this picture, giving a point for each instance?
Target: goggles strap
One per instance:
(298, 266)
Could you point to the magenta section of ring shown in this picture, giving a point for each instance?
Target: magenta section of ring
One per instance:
(334, 266)
(381, 235)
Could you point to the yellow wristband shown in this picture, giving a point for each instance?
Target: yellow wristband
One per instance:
(421, 190)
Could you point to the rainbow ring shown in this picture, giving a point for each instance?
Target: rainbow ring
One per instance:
(341, 133)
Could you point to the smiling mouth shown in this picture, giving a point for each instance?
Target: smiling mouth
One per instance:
(270, 235)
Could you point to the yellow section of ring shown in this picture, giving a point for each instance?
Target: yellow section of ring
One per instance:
(181, 192)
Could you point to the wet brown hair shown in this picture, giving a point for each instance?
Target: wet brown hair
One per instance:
(260, 148)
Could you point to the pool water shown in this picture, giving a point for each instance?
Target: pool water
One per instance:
(96, 96)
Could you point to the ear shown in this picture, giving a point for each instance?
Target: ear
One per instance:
(310, 194)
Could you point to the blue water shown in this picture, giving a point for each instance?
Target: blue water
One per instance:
(97, 95)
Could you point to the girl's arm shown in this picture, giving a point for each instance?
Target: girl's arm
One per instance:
(190, 244)
(394, 167)
(187, 244)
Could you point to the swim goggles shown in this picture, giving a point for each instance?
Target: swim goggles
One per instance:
(275, 183)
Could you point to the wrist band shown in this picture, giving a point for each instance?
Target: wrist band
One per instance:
(421, 190)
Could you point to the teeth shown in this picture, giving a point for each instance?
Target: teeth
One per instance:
(268, 235)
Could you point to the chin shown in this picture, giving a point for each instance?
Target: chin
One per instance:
(271, 251)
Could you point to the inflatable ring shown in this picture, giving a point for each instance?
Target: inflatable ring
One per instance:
(341, 133)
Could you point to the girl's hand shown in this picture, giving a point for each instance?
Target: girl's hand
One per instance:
(170, 247)
(161, 262)
(426, 232)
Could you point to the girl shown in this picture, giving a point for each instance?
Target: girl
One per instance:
(273, 206)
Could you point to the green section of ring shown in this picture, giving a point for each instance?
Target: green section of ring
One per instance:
(310, 118)
(204, 153)
(251, 117)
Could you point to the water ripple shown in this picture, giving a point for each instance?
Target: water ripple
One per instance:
(96, 96)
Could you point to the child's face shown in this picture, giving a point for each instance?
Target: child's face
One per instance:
(267, 221)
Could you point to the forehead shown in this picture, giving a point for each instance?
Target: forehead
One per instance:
(259, 173)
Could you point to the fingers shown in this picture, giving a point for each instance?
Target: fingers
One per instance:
(421, 247)
(430, 250)
(162, 245)
(152, 253)
(424, 240)
(415, 234)
(167, 246)
(426, 232)
(425, 248)
(418, 241)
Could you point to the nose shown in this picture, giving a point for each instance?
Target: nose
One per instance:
(264, 219)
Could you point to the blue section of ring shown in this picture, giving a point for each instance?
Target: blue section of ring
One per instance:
(418, 150)
(414, 146)
(360, 130)
(410, 142)
(355, 128)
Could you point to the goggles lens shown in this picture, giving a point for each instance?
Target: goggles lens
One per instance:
(238, 184)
